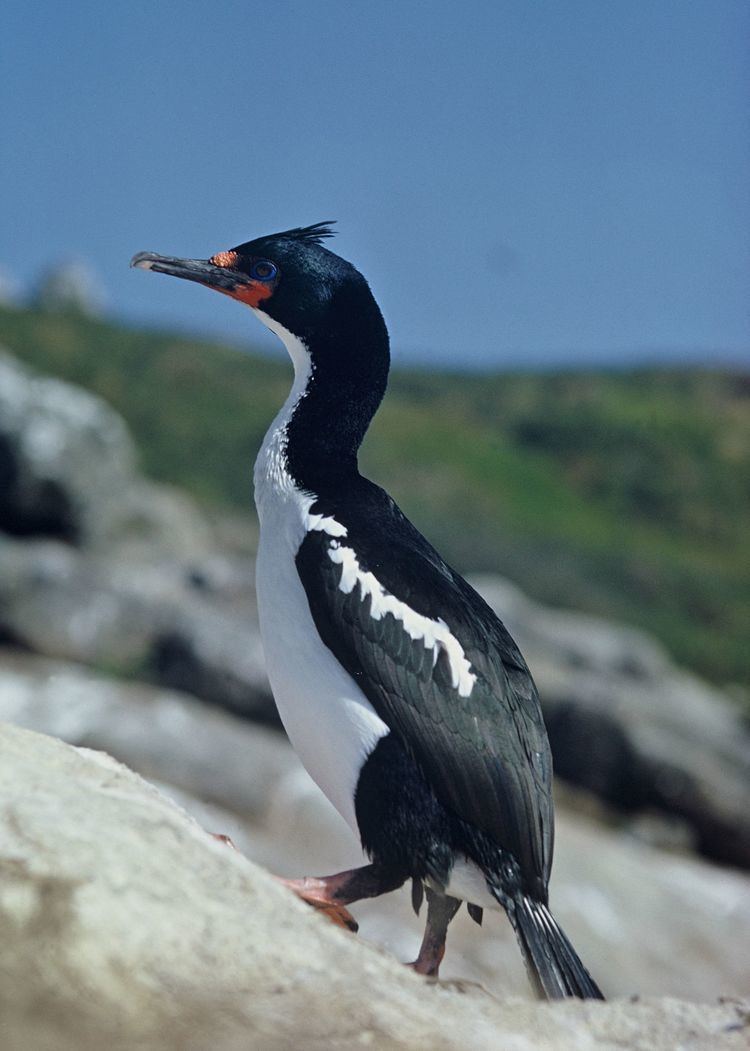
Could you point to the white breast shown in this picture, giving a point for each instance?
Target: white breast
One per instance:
(330, 722)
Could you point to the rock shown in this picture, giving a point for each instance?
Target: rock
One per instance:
(65, 457)
(158, 521)
(573, 640)
(191, 624)
(56, 601)
(219, 658)
(67, 470)
(626, 724)
(124, 924)
(70, 286)
(128, 577)
(107, 569)
(164, 735)
(645, 921)
(10, 288)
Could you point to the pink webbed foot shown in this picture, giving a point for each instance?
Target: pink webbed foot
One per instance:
(331, 894)
(319, 895)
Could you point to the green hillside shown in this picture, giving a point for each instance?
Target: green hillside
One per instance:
(622, 493)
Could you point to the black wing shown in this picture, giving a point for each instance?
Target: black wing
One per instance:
(485, 754)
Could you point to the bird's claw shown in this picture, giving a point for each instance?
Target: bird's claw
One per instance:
(337, 914)
(427, 970)
(312, 891)
(226, 840)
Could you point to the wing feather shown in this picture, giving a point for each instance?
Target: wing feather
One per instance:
(484, 752)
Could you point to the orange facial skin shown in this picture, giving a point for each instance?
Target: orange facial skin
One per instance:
(253, 292)
(227, 259)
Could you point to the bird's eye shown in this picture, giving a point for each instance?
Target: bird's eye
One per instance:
(263, 270)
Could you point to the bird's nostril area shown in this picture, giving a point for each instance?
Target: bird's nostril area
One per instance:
(224, 259)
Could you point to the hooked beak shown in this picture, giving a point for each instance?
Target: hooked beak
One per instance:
(201, 270)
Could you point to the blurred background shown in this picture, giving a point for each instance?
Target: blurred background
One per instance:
(551, 204)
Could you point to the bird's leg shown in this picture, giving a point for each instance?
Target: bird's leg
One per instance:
(331, 894)
(441, 909)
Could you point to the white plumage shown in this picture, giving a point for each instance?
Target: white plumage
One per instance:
(330, 723)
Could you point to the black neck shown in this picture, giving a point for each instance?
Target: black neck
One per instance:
(349, 374)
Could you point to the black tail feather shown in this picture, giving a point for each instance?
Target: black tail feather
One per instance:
(553, 964)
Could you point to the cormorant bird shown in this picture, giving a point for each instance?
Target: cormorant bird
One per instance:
(404, 696)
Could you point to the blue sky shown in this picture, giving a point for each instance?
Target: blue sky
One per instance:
(528, 182)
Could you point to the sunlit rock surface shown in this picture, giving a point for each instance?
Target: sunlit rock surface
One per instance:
(125, 924)
(646, 921)
(121, 920)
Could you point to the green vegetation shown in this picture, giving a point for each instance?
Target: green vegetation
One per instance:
(622, 493)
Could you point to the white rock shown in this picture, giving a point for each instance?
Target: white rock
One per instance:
(163, 734)
(124, 924)
(645, 921)
(71, 285)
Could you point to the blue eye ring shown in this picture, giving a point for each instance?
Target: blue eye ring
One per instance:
(263, 270)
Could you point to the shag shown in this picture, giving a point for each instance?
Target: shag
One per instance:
(403, 694)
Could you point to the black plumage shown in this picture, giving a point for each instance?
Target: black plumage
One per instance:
(457, 767)
(486, 756)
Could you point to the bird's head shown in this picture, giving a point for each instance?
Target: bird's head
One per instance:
(289, 279)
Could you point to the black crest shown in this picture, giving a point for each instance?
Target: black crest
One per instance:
(314, 234)
(300, 237)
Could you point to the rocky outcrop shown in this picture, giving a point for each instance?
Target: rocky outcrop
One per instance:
(165, 735)
(10, 288)
(646, 921)
(124, 924)
(190, 623)
(121, 920)
(64, 457)
(70, 286)
(100, 567)
(629, 726)
(67, 470)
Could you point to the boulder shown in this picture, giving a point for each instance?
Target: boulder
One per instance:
(646, 921)
(163, 734)
(65, 456)
(70, 286)
(124, 924)
(10, 288)
(55, 600)
(187, 623)
(67, 469)
(627, 725)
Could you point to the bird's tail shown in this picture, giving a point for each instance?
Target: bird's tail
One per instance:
(554, 966)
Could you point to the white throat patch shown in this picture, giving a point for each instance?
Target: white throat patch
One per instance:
(296, 349)
(271, 475)
(331, 724)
